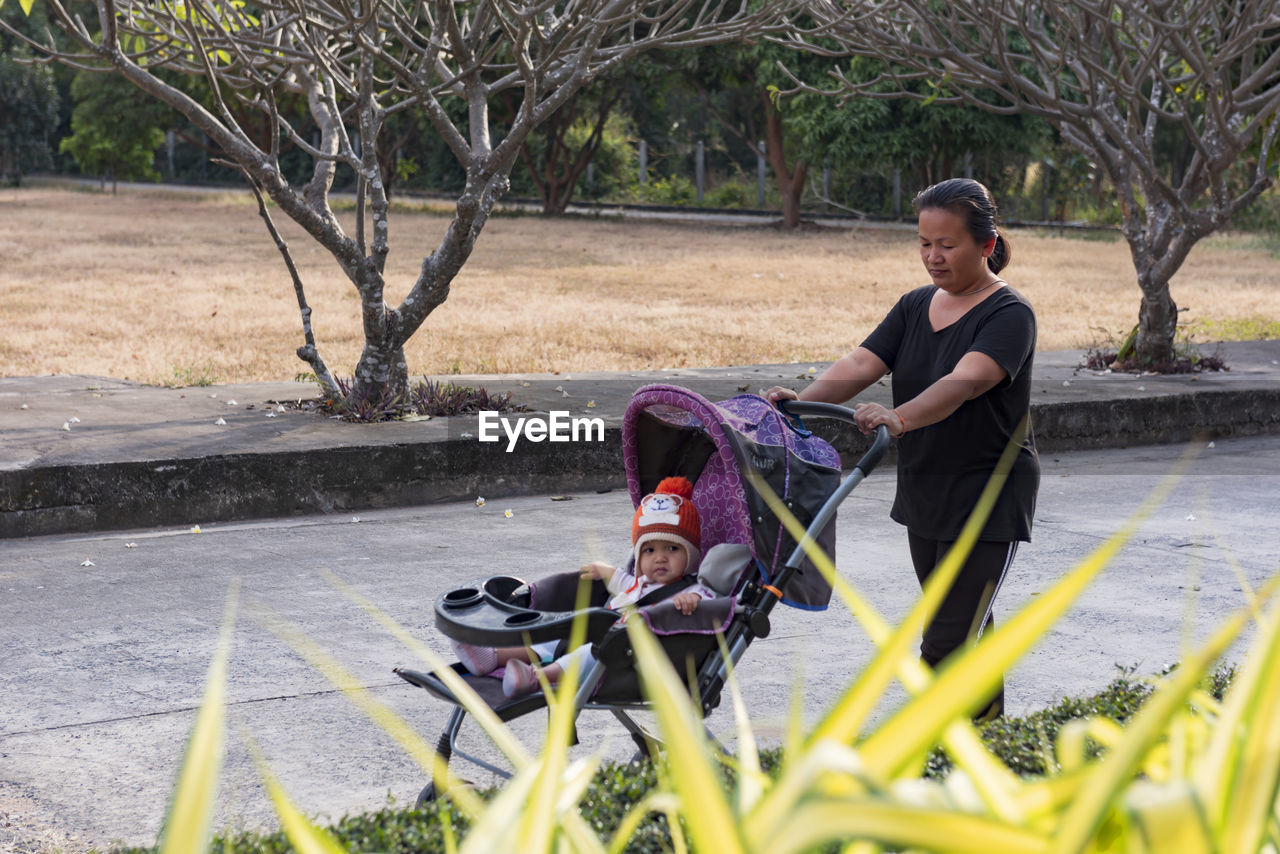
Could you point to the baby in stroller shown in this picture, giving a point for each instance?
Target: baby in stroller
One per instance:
(666, 538)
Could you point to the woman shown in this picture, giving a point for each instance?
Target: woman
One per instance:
(960, 351)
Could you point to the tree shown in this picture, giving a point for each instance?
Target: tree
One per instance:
(928, 141)
(1117, 79)
(115, 128)
(356, 63)
(558, 154)
(28, 110)
(570, 141)
(738, 88)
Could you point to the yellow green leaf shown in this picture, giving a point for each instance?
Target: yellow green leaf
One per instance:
(1104, 783)
(379, 713)
(305, 837)
(995, 783)
(1243, 760)
(501, 736)
(538, 822)
(190, 814)
(975, 673)
(900, 826)
(1164, 817)
(710, 820)
(557, 740)
(851, 711)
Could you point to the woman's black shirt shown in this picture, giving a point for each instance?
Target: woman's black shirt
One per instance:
(943, 468)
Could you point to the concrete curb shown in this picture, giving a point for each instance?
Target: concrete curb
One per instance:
(231, 487)
(1082, 425)
(174, 470)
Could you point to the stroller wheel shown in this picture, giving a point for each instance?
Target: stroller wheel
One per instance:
(426, 796)
(430, 793)
(646, 748)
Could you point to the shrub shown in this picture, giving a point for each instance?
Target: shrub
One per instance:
(424, 399)
(730, 194)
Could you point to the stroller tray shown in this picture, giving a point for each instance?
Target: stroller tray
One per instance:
(493, 612)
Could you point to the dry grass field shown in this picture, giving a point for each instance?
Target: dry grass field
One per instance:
(175, 288)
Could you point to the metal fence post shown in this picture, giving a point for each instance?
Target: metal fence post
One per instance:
(1045, 169)
(760, 176)
(700, 169)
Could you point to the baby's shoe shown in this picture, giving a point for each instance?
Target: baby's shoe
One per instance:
(519, 679)
(480, 660)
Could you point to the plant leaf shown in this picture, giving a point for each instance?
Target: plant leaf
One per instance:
(493, 727)
(1241, 771)
(846, 719)
(977, 671)
(190, 814)
(900, 826)
(305, 837)
(995, 783)
(387, 720)
(1105, 781)
(711, 823)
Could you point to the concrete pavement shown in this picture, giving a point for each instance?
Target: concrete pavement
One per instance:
(86, 453)
(110, 599)
(104, 664)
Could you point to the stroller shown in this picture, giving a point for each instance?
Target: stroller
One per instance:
(666, 431)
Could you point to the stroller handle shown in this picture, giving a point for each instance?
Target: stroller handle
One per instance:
(879, 445)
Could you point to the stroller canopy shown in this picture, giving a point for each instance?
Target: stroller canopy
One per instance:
(668, 430)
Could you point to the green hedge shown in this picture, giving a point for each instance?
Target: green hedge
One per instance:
(1021, 743)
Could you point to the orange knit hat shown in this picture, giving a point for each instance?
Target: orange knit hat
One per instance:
(668, 514)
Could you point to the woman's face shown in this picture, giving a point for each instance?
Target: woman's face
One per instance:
(954, 260)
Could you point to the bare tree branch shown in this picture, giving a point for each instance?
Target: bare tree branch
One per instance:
(1114, 78)
(348, 64)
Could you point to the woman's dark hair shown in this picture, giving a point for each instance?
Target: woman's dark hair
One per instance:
(972, 202)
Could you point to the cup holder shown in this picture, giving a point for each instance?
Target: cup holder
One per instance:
(462, 597)
(523, 618)
(501, 587)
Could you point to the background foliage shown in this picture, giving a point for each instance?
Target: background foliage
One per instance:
(671, 101)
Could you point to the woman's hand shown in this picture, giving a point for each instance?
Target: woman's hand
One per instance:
(686, 603)
(869, 416)
(778, 393)
(597, 570)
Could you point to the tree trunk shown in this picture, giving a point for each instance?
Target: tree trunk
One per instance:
(1158, 243)
(792, 188)
(790, 181)
(381, 371)
(1157, 322)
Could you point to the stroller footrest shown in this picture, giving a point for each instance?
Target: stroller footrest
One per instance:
(487, 688)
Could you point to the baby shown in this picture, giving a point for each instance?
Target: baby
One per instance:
(665, 535)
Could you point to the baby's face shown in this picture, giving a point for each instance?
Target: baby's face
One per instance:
(662, 561)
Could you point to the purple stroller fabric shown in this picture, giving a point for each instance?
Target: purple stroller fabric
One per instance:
(720, 490)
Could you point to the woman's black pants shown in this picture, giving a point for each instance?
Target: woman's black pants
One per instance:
(965, 612)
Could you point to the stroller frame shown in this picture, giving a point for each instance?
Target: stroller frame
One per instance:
(754, 600)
